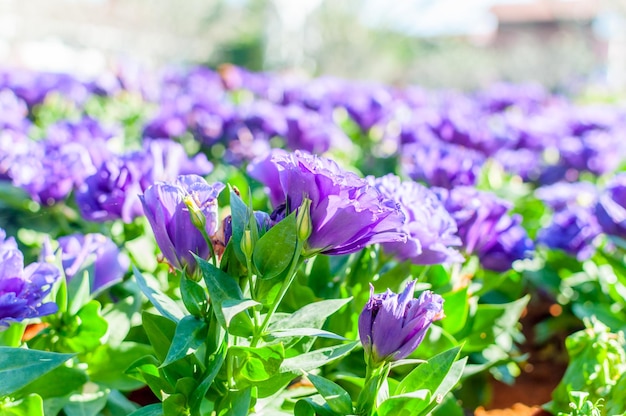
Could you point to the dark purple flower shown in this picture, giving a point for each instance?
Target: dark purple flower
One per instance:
(485, 227)
(167, 211)
(22, 290)
(430, 229)
(572, 230)
(392, 326)
(347, 213)
(610, 209)
(109, 264)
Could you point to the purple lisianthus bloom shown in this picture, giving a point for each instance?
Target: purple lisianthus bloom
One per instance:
(109, 264)
(572, 230)
(347, 213)
(430, 229)
(441, 164)
(610, 209)
(112, 192)
(167, 211)
(485, 227)
(561, 195)
(22, 290)
(308, 130)
(392, 326)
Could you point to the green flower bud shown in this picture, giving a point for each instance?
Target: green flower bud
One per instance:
(246, 244)
(303, 220)
(197, 216)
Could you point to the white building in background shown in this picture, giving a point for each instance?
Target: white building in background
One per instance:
(85, 36)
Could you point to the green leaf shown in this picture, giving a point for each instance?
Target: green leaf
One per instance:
(31, 405)
(19, 367)
(79, 287)
(226, 296)
(239, 220)
(448, 383)
(175, 404)
(257, 364)
(59, 382)
(214, 365)
(194, 297)
(335, 396)
(164, 304)
(236, 403)
(457, 309)
(409, 404)
(190, 334)
(91, 328)
(160, 332)
(304, 332)
(317, 358)
(108, 364)
(276, 249)
(155, 409)
(86, 404)
(146, 370)
(312, 315)
(430, 374)
(312, 406)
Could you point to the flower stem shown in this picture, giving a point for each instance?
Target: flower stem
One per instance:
(293, 269)
(375, 378)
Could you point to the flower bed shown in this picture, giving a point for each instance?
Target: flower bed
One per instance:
(232, 243)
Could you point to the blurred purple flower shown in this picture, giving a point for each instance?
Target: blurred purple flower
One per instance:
(307, 130)
(392, 326)
(561, 195)
(109, 264)
(485, 227)
(441, 164)
(347, 213)
(113, 191)
(22, 290)
(610, 209)
(169, 216)
(572, 230)
(430, 228)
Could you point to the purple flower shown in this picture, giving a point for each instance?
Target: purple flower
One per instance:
(485, 227)
(430, 228)
(392, 326)
(561, 195)
(610, 209)
(22, 290)
(347, 213)
(112, 192)
(109, 264)
(308, 130)
(441, 164)
(170, 219)
(573, 231)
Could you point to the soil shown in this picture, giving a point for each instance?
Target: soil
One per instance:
(540, 374)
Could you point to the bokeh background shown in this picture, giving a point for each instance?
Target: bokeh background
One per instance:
(463, 44)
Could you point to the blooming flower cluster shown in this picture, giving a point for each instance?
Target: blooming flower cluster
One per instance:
(23, 289)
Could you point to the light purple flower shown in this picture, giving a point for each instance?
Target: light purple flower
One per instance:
(347, 214)
(392, 326)
(169, 217)
(430, 229)
(22, 290)
(109, 264)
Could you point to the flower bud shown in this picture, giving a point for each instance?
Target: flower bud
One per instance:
(391, 326)
(303, 220)
(246, 244)
(195, 213)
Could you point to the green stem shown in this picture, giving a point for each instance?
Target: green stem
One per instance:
(375, 377)
(12, 336)
(293, 268)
